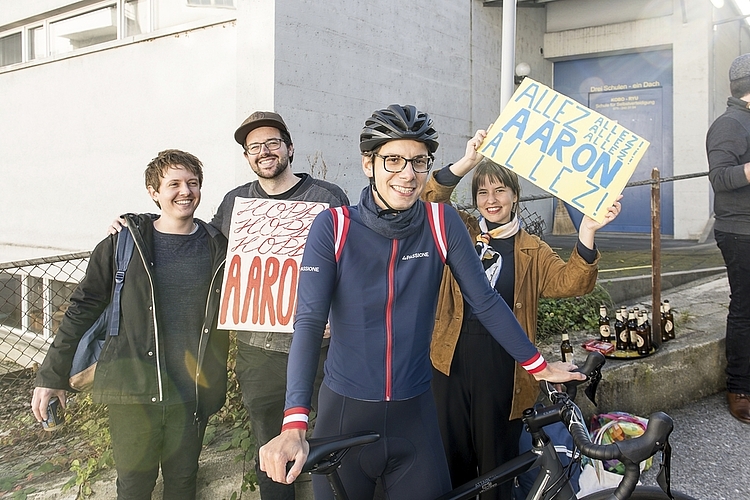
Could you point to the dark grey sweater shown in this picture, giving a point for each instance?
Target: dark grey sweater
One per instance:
(728, 149)
(308, 189)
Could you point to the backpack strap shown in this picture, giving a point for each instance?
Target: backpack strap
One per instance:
(436, 216)
(340, 228)
(123, 254)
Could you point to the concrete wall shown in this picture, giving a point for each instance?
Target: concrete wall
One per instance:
(77, 133)
(83, 127)
(691, 50)
(336, 65)
(577, 31)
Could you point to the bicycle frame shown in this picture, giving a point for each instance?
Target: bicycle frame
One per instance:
(551, 476)
(552, 482)
(329, 452)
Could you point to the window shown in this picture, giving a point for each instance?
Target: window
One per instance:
(87, 29)
(10, 49)
(37, 42)
(98, 22)
(36, 303)
(136, 17)
(102, 22)
(212, 3)
(10, 300)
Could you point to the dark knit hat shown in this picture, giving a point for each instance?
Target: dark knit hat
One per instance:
(740, 68)
(259, 119)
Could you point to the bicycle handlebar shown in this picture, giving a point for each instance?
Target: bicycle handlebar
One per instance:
(630, 452)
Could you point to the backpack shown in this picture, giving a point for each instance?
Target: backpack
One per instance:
(108, 323)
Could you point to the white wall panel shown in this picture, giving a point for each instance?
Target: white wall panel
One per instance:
(76, 134)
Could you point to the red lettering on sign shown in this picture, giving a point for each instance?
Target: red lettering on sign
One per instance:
(252, 290)
(289, 268)
(232, 289)
(270, 276)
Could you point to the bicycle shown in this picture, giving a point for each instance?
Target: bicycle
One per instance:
(552, 482)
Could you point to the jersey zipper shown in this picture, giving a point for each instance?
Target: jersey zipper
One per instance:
(389, 321)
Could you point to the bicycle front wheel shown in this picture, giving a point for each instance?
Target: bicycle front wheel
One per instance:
(640, 493)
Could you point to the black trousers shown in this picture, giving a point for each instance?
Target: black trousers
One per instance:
(147, 436)
(474, 405)
(262, 377)
(735, 248)
(406, 463)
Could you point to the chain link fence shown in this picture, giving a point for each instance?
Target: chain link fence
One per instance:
(34, 296)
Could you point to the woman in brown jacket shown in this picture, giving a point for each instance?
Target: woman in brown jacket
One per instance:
(479, 390)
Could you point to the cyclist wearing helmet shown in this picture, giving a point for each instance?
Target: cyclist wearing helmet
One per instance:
(374, 270)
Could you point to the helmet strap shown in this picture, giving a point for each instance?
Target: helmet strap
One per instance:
(390, 209)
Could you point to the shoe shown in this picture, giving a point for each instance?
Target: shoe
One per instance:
(739, 406)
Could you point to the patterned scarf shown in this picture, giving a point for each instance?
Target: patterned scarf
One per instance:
(486, 252)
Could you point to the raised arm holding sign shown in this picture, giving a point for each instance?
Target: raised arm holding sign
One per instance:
(565, 148)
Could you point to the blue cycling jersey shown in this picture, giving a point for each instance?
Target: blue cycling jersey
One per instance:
(382, 295)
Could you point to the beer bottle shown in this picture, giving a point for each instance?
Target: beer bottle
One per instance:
(662, 325)
(669, 323)
(604, 333)
(632, 334)
(642, 338)
(619, 327)
(566, 349)
(647, 328)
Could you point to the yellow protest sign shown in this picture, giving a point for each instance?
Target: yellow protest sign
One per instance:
(563, 147)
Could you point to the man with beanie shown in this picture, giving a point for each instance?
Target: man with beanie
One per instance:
(728, 150)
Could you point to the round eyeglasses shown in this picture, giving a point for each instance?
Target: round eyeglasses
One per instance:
(256, 147)
(397, 163)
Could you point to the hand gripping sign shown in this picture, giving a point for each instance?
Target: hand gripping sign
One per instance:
(266, 242)
(565, 148)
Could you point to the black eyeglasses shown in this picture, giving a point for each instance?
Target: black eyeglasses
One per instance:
(397, 163)
(256, 147)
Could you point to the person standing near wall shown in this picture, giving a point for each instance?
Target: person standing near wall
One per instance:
(480, 391)
(165, 372)
(262, 356)
(375, 270)
(728, 151)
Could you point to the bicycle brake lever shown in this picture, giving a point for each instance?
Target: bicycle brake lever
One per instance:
(594, 379)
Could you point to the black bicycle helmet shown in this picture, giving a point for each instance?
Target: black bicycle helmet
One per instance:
(398, 122)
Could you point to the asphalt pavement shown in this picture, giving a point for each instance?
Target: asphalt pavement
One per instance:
(709, 452)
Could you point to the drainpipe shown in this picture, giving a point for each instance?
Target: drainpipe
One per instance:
(508, 56)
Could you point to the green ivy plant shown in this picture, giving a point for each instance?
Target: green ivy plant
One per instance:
(558, 316)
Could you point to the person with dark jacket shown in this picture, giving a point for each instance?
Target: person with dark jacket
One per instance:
(728, 150)
(262, 356)
(165, 372)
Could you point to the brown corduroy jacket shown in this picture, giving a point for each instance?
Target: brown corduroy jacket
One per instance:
(539, 272)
